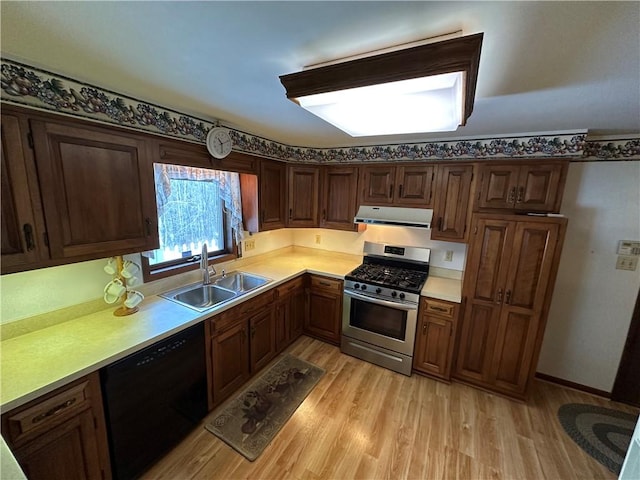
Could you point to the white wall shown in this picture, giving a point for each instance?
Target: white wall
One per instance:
(593, 302)
(353, 242)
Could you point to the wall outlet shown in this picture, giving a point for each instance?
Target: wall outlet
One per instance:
(627, 262)
(448, 256)
(249, 245)
(318, 239)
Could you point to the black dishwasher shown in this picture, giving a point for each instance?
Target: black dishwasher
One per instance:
(154, 398)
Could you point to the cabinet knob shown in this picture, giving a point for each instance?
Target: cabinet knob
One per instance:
(424, 328)
(520, 198)
(508, 297)
(499, 296)
(512, 195)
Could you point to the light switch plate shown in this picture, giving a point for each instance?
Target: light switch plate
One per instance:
(627, 262)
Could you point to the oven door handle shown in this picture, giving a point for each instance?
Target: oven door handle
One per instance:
(386, 303)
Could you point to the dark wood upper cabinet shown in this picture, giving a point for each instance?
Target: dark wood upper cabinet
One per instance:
(97, 190)
(414, 186)
(272, 193)
(451, 212)
(531, 187)
(339, 200)
(402, 185)
(511, 269)
(304, 192)
(22, 221)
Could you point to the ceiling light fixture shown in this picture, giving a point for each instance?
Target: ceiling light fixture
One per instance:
(427, 88)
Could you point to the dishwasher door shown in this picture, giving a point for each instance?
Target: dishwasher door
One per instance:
(154, 398)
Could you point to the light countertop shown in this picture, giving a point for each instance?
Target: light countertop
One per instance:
(40, 361)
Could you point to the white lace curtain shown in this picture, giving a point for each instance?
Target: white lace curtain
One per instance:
(229, 183)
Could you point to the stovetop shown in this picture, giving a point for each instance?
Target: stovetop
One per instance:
(391, 275)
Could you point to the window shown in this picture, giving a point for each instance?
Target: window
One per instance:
(195, 206)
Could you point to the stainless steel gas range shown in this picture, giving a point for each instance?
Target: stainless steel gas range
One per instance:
(380, 307)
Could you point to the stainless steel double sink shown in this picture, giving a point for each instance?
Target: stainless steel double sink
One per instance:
(221, 289)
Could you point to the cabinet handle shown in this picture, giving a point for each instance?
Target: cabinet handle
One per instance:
(499, 299)
(512, 195)
(508, 297)
(440, 224)
(147, 221)
(262, 216)
(391, 191)
(520, 195)
(28, 236)
(438, 309)
(400, 191)
(424, 328)
(324, 215)
(290, 213)
(53, 411)
(324, 284)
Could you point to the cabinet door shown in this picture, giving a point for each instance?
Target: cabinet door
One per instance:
(529, 273)
(97, 190)
(539, 188)
(282, 323)
(498, 186)
(304, 190)
(452, 202)
(377, 185)
(414, 186)
(230, 351)
(262, 339)
(22, 223)
(296, 314)
(324, 309)
(433, 346)
(272, 194)
(66, 452)
(339, 198)
(484, 291)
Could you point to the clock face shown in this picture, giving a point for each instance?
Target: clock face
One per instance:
(219, 142)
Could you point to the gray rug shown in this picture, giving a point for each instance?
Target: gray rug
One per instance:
(253, 418)
(603, 433)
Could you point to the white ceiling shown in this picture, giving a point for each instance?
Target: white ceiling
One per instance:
(545, 66)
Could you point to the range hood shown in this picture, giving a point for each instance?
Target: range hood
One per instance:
(398, 216)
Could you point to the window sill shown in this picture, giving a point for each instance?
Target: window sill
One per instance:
(149, 275)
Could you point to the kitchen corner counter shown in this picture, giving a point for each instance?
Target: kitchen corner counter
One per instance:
(38, 362)
(441, 288)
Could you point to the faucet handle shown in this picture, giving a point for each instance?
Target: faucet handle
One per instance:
(212, 270)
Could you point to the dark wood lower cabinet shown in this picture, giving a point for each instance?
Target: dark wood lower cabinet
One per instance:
(262, 340)
(290, 312)
(324, 309)
(435, 335)
(61, 435)
(230, 364)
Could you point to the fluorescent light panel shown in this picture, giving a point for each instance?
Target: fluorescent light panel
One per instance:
(427, 104)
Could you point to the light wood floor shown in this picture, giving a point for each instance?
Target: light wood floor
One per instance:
(362, 421)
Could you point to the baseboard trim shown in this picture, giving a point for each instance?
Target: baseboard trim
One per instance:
(575, 386)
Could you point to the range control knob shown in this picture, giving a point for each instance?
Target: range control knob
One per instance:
(401, 296)
(378, 290)
(363, 287)
(394, 294)
(356, 285)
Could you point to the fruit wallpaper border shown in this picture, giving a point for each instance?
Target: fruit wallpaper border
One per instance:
(37, 88)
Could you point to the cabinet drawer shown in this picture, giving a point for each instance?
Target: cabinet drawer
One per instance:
(287, 288)
(326, 284)
(439, 308)
(47, 413)
(226, 320)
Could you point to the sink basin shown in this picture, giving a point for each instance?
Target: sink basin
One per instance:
(200, 297)
(241, 282)
(203, 297)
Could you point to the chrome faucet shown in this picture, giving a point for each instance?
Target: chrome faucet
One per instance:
(204, 266)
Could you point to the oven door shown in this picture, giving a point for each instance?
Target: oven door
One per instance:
(391, 325)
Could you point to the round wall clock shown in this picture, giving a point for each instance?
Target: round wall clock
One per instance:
(219, 142)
